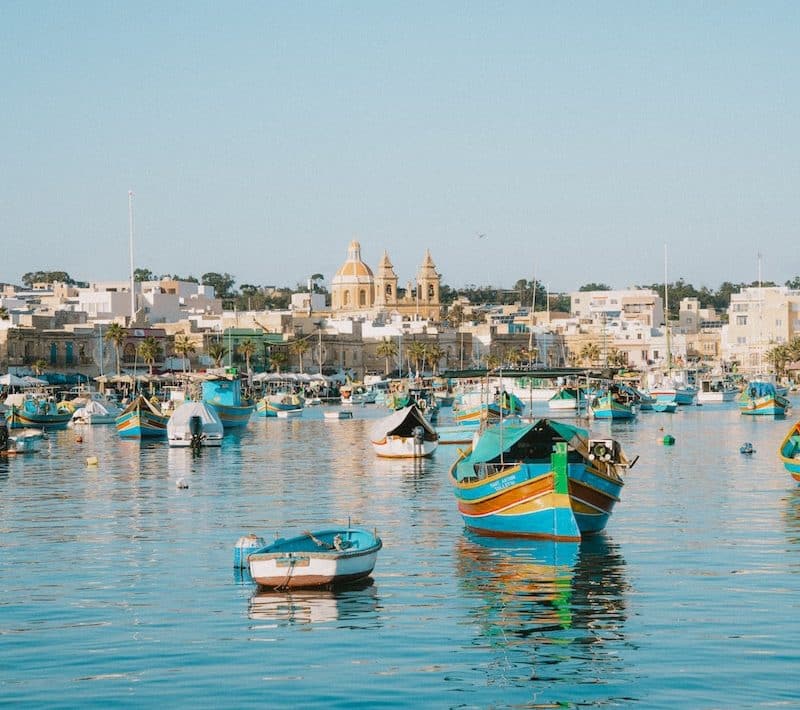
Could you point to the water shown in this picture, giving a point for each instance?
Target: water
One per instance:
(116, 587)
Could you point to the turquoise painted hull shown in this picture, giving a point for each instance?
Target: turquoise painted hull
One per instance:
(21, 419)
(142, 425)
(234, 417)
(763, 406)
(613, 413)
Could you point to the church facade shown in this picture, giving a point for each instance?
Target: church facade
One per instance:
(357, 290)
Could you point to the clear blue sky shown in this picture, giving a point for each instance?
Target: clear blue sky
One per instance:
(260, 138)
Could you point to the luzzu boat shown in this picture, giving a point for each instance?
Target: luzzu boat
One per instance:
(142, 419)
(270, 405)
(25, 411)
(762, 398)
(506, 405)
(544, 480)
(612, 403)
(566, 399)
(225, 395)
(789, 451)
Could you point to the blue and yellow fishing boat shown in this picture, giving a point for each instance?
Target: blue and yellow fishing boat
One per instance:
(762, 398)
(142, 419)
(504, 405)
(545, 480)
(224, 394)
(39, 412)
(789, 451)
(614, 402)
(271, 404)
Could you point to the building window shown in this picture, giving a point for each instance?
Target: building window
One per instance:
(388, 290)
(362, 297)
(346, 299)
(741, 320)
(53, 354)
(741, 340)
(431, 292)
(68, 357)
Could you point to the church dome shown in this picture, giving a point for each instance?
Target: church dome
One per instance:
(354, 270)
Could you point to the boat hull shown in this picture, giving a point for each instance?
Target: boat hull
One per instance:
(774, 406)
(789, 451)
(403, 447)
(717, 397)
(298, 563)
(233, 417)
(20, 419)
(142, 425)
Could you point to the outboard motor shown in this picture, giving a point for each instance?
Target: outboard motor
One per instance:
(196, 430)
(419, 435)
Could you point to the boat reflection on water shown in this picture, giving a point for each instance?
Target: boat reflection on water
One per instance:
(552, 609)
(791, 516)
(355, 606)
(526, 584)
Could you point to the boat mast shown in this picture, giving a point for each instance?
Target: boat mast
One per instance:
(666, 312)
(130, 232)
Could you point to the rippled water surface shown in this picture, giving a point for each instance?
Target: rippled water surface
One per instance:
(116, 587)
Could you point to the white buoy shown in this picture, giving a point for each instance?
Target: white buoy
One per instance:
(246, 545)
(182, 483)
(92, 461)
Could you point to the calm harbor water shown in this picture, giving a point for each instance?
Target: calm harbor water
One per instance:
(117, 588)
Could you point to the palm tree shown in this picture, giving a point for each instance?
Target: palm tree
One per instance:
(184, 347)
(386, 348)
(149, 351)
(435, 353)
(39, 366)
(217, 352)
(278, 359)
(590, 352)
(492, 362)
(299, 348)
(116, 334)
(247, 349)
(515, 357)
(616, 358)
(416, 354)
(3, 313)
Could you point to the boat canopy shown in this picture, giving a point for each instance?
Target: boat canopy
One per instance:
(402, 423)
(500, 439)
(761, 389)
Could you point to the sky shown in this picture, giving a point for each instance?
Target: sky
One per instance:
(259, 139)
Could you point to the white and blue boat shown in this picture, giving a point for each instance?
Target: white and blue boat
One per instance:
(324, 558)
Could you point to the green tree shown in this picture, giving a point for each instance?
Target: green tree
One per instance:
(246, 349)
(116, 334)
(39, 366)
(184, 347)
(149, 351)
(222, 283)
(590, 353)
(493, 361)
(140, 275)
(595, 287)
(49, 277)
(278, 359)
(217, 352)
(415, 352)
(386, 349)
(300, 347)
(3, 313)
(434, 354)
